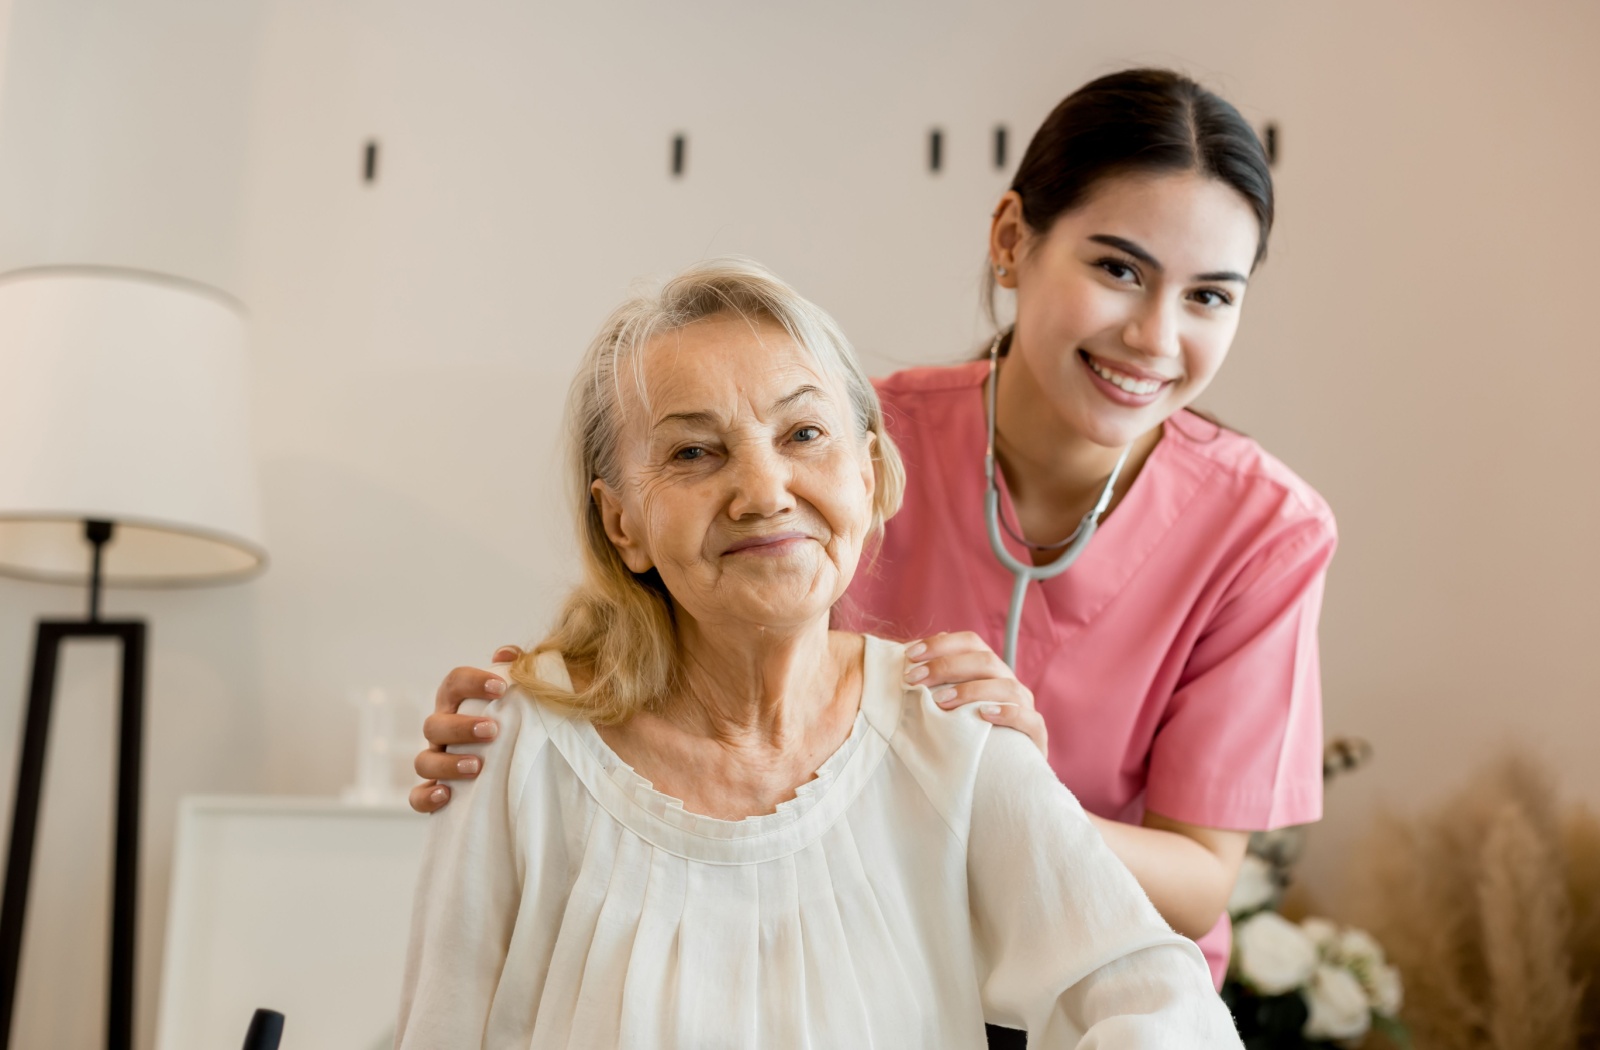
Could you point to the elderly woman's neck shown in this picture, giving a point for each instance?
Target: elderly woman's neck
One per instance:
(762, 686)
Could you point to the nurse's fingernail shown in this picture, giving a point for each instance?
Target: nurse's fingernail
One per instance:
(495, 687)
(437, 796)
(485, 730)
(915, 650)
(467, 766)
(916, 673)
(944, 694)
(993, 710)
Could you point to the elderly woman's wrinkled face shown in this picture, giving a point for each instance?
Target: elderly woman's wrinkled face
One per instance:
(747, 482)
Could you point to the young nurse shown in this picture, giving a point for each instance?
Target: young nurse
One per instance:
(1170, 673)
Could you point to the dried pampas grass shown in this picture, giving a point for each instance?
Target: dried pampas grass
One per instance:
(1583, 888)
(1523, 905)
(1490, 907)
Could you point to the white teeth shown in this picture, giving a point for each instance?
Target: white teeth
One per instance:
(1128, 383)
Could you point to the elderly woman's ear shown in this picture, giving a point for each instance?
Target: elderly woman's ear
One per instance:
(870, 465)
(618, 528)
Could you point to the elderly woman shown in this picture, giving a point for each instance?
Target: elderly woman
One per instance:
(711, 821)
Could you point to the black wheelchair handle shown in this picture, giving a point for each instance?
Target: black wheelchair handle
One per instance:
(266, 1030)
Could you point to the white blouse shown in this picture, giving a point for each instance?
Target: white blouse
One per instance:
(935, 874)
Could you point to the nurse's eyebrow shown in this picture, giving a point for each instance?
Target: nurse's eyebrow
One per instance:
(1122, 244)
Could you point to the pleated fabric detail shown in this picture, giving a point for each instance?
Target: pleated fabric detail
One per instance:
(794, 928)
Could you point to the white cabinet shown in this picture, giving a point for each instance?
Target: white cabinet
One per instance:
(301, 905)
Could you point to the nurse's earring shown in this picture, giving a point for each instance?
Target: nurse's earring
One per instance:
(1001, 271)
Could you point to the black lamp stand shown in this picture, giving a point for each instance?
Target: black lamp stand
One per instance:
(30, 779)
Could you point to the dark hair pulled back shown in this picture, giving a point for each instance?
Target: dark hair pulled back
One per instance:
(1139, 121)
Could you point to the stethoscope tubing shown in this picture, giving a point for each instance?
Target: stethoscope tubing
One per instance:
(1026, 572)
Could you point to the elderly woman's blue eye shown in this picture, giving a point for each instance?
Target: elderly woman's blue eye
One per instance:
(691, 453)
(807, 434)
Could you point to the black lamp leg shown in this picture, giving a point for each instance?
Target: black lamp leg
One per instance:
(125, 895)
(24, 823)
(25, 819)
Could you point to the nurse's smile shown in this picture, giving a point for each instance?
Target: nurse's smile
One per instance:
(1123, 384)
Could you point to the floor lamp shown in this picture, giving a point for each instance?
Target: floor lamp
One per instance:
(125, 460)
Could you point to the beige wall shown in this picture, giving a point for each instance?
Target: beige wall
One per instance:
(1420, 345)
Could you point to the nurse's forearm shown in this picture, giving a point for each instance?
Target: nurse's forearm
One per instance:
(1188, 883)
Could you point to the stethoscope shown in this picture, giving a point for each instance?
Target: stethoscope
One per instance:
(1074, 545)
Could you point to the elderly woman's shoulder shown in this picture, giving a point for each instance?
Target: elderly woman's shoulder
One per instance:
(522, 718)
(941, 749)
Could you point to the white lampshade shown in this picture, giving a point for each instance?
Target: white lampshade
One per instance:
(124, 397)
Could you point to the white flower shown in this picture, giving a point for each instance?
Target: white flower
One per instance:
(1359, 950)
(1255, 889)
(1338, 1005)
(1383, 990)
(1272, 953)
(1363, 955)
(1323, 934)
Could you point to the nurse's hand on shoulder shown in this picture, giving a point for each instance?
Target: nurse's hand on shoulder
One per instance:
(444, 727)
(960, 668)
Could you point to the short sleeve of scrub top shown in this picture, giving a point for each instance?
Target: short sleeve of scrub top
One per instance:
(1176, 662)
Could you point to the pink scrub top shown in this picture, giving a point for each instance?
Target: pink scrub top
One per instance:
(1176, 662)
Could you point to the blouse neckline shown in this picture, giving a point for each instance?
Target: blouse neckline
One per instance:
(633, 801)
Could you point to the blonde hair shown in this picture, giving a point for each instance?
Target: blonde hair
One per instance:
(617, 625)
